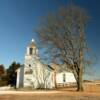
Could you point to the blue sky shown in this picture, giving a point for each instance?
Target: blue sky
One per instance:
(19, 18)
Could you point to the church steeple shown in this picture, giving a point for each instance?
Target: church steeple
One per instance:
(32, 49)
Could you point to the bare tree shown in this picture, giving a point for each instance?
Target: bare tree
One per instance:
(66, 31)
(41, 74)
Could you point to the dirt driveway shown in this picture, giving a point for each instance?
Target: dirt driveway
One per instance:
(49, 95)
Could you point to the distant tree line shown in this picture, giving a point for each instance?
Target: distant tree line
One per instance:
(8, 76)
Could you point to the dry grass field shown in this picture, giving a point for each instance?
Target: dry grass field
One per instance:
(92, 92)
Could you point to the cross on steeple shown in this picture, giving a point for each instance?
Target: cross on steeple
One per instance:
(33, 40)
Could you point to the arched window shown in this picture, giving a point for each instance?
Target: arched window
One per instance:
(31, 51)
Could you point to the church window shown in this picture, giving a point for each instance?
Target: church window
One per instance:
(29, 65)
(29, 72)
(64, 77)
(31, 51)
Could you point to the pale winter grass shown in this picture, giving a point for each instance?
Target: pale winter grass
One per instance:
(92, 92)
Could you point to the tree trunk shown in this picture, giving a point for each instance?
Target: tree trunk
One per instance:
(80, 81)
(80, 72)
(55, 79)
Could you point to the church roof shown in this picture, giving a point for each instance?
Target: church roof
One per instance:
(50, 67)
(32, 43)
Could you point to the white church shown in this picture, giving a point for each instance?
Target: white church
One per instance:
(38, 75)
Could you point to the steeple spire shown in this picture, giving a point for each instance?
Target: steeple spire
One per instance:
(33, 40)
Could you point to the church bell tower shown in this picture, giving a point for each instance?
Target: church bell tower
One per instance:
(31, 54)
(32, 49)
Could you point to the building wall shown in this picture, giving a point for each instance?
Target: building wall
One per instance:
(41, 77)
(20, 77)
(69, 78)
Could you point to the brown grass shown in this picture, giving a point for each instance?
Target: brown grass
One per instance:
(92, 87)
(92, 92)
